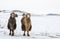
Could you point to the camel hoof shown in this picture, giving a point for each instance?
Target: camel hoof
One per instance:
(9, 33)
(28, 35)
(23, 34)
(12, 34)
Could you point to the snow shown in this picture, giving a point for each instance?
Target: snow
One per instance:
(43, 27)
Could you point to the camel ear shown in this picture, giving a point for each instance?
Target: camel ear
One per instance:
(29, 14)
(23, 14)
(16, 15)
(12, 13)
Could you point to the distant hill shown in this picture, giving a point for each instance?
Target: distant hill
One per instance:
(53, 14)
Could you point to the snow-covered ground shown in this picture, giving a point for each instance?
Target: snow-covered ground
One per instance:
(43, 27)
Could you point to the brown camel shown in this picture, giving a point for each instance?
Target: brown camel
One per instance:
(12, 23)
(26, 23)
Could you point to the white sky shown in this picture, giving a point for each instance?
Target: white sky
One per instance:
(32, 6)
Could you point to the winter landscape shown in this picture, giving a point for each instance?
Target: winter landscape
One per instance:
(45, 18)
(43, 27)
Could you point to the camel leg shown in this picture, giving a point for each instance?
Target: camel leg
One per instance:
(28, 33)
(24, 33)
(28, 30)
(10, 32)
